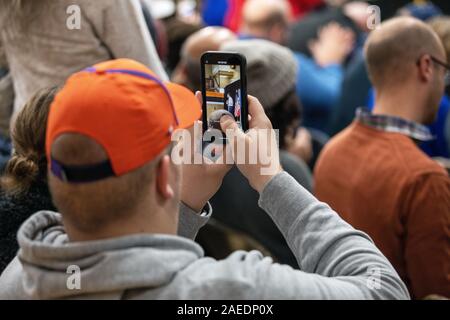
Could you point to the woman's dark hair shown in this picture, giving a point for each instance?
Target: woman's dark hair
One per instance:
(28, 164)
(285, 116)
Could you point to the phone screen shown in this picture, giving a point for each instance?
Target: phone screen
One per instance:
(222, 92)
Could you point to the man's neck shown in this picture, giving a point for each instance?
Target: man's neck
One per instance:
(148, 222)
(253, 33)
(403, 105)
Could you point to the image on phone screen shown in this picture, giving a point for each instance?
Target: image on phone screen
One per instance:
(223, 92)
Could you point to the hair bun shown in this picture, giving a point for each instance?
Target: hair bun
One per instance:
(20, 173)
(23, 167)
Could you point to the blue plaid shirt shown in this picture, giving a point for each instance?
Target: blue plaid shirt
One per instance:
(387, 123)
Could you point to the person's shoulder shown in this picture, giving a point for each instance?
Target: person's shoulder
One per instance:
(11, 281)
(399, 150)
(414, 161)
(428, 187)
(236, 277)
(343, 138)
(14, 209)
(12, 213)
(430, 173)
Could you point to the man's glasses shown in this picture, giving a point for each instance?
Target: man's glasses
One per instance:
(446, 67)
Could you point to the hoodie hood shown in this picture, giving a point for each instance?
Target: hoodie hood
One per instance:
(107, 267)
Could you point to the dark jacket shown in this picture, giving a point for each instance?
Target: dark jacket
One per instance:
(14, 210)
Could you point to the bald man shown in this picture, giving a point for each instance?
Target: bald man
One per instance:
(266, 19)
(188, 72)
(374, 174)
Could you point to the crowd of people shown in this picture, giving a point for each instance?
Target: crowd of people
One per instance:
(358, 206)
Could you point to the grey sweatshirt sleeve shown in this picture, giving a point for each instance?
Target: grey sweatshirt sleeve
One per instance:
(123, 30)
(190, 222)
(351, 266)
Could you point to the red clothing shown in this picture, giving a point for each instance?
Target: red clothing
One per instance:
(384, 185)
(302, 7)
(233, 17)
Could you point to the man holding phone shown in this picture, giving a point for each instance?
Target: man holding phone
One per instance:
(129, 214)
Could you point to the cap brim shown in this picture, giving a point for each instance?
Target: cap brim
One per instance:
(187, 107)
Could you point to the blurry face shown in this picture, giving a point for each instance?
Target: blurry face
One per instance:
(278, 33)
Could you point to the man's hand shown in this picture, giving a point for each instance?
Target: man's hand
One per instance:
(200, 182)
(259, 142)
(333, 44)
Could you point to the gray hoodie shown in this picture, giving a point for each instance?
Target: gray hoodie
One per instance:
(336, 261)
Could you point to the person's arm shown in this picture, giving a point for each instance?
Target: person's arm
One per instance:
(320, 78)
(346, 263)
(336, 260)
(199, 182)
(318, 86)
(427, 250)
(121, 27)
(190, 221)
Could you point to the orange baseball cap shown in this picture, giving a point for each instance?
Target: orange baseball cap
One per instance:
(123, 106)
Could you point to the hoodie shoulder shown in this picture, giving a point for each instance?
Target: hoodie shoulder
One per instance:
(11, 281)
(239, 276)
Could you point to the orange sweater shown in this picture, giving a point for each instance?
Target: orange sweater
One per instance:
(382, 184)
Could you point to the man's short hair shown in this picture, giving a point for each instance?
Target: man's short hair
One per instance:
(392, 50)
(89, 205)
(273, 19)
(277, 15)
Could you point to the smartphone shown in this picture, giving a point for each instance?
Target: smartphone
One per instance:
(224, 89)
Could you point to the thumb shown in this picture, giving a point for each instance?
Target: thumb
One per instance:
(233, 133)
(199, 96)
(230, 127)
(228, 124)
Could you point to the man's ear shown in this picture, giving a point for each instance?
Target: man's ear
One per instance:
(425, 65)
(163, 177)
